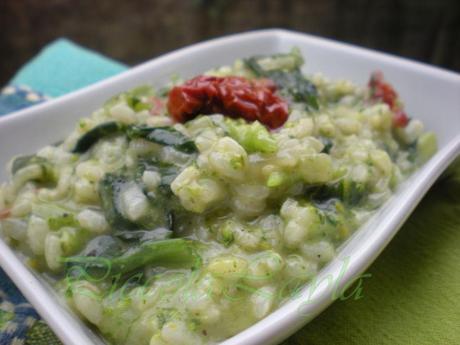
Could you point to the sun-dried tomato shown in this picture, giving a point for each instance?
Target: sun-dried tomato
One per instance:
(383, 91)
(400, 119)
(231, 96)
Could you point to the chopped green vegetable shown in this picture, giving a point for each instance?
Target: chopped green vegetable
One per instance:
(276, 179)
(137, 105)
(167, 171)
(22, 162)
(109, 191)
(346, 190)
(227, 236)
(328, 144)
(72, 240)
(94, 135)
(295, 84)
(142, 91)
(336, 220)
(351, 192)
(141, 236)
(177, 251)
(289, 62)
(111, 188)
(426, 146)
(253, 137)
(65, 219)
(165, 136)
(285, 72)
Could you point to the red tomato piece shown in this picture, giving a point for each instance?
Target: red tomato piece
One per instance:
(400, 119)
(231, 96)
(384, 92)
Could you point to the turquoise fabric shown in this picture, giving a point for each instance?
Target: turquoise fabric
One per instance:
(64, 66)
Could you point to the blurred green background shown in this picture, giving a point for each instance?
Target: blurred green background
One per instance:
(136, 30)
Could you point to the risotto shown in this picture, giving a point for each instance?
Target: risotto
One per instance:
(183, 215)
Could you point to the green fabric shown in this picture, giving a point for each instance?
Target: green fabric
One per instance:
(63, 66)
(413, 295)
(41, 334)
(5, 317)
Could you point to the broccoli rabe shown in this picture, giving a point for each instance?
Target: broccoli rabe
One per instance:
(127, 207)
(172, 252)
(253, 137)
(97, 133)
(65, 219)
(346, 190)
(284, 70)
(165, 136)
(32, 168)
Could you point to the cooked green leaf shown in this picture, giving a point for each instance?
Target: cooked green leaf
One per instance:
(284, 71)
(253, 137)
(95, 134)
(165, 136)
(109, 191)
(65, 219)
(24, 161)
(167, 171)
(345, 190)
(178, 252)
(111, 188)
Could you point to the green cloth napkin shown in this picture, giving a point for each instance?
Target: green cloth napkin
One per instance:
(413, 293)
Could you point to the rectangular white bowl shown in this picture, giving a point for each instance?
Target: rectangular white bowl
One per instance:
(430, 94)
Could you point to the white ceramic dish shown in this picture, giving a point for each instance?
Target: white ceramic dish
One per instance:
(431, 94)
